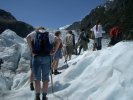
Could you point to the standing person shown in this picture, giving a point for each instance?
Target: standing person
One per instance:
(68, 44)
(115, 35)
(57, 52)
(97, 29)
(40, 43)
(83, 41)
(31, 74)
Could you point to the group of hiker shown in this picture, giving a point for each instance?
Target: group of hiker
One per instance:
(47, 49)
(115, 34)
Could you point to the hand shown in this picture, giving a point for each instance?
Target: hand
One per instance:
(52, 52)
(64, 45)
(33, 54)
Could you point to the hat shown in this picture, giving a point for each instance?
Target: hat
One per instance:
(40, 28)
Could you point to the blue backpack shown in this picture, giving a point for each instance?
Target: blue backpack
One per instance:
(41, 44)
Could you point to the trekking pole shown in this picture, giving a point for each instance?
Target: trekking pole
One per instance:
(51, 74)
(52, 80)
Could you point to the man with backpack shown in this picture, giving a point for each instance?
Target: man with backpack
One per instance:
(69, 45)
(40, 43)
(83, 41)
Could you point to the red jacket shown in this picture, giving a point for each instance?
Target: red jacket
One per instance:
(114, 31)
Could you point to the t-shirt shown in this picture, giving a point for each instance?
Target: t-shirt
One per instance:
(98, 32)
(33, 34)
(69, 40)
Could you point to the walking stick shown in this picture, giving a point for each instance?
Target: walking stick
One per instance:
(51, 74)
(52, 80)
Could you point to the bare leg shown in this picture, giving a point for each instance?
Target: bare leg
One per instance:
(66, 57)
(37, 86)
(37, 89)
(55, 67)
(31, 77)
(56, 64)
(45, 86)
(70, 56)
(31, 81)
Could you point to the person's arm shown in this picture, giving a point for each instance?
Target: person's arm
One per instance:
(64, 42)
(29, 41)
(101, 29)
(57, 44)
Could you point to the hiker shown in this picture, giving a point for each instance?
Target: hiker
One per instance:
(57, 52)
(31, 74)
(68, 45)
(97, 29)
(115, 35)
(83, 41)
(40, 43)
(1, 62)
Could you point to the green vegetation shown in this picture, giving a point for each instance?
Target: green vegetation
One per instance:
(119, 12)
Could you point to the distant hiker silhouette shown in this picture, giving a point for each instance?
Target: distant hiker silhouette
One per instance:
(115, 35)
(98, 30)
(40, 43)
(57, 52)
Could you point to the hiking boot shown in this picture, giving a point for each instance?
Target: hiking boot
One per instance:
(52, 71)
(37, 97)
(56, 72)
(65, 61)
(44, 98)
(31, 87)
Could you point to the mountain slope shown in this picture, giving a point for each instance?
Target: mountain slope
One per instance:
(8, 21)
(116, 12)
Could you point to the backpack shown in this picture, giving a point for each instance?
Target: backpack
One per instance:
(69, 40)
(41, 44)
(85, 36)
